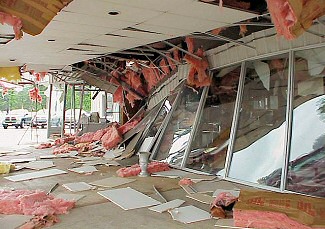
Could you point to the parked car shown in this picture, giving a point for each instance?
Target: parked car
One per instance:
(12, 120)
(39, 120)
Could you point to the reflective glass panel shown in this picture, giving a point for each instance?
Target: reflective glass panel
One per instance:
(258, 152)
(306, 172)
(175, 138)
(210, 144)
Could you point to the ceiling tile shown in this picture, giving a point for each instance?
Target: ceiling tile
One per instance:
(79, 18)
(101, 8)
(212, 12)
(143, 35)
(157, 5)
(173, 32)
(184, 22)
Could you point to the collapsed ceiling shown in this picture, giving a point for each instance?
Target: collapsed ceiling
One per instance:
(89, 40)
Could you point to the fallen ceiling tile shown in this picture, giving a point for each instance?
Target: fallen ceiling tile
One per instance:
(38, 165)
(78, 186)
(70, 197)
(34, 175)
(128, 198)
(167, 206)
(189, 214)
(112, 182)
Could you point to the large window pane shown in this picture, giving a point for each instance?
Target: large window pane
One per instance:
(209, 148)
(175, 138)
(306, 172)
(258, 152)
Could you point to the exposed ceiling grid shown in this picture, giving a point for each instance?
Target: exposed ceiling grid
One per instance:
(84, 21)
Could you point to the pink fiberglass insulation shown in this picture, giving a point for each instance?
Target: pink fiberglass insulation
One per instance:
(118, 96)
(198, 76)
(190, 44)
(99, 134)
(150, 75)
(84, 138)
(176, 55)
(265, 219)
(30, 202)
(171, 63)
(164, 66)
(135, 170)
(65, 148)
(283, 17)
(61, 141)
(131, 98)
(14, 21)
(44, 145)
(224, 199)
(129, 125)
(111, 138)
(242, 30)
(133, 79)
(185, 181)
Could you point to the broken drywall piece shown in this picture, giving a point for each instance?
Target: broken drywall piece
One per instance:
(99, 162)
(84, 169)
(111, 154)
(173, 173)
(33, 175)
(51, 156)
(225, 223)
(199, 177)
(202, 198)
(167, 206)
(188, 189)
(78, 186)
(70, 196)
(112, 182)
(128, 198)
(19, 160)
(234, 192)
(38, 165)
(13, 221)
(17, 153)
(189, 214)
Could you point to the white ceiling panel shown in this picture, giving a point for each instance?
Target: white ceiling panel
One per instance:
(172, 32)
(79, 18)
(212, 13)
(117, 42)
(72, 27)
(102, 8)
(142, 35)
(184, 22)
(157, 5)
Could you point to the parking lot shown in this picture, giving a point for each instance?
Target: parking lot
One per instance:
(13, 138)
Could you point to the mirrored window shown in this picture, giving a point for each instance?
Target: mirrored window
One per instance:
(210, 144)
(176, 136)
(258, 152)
(306, 172)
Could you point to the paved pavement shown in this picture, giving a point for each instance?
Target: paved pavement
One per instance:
(15, 138)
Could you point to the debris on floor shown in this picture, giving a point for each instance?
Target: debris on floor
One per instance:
(30, 202)
(128, 198)
(5, 168)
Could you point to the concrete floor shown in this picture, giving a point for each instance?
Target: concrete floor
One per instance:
(94, 211)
